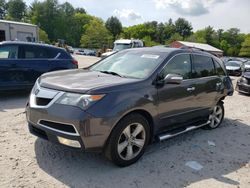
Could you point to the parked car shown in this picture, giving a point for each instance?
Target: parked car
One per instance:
(246, 65)
(21, 63)
(80, 52)
(234, 68)
(123, 102)
(243, 84)
(123, 44)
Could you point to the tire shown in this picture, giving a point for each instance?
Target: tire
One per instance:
(128, 140)
(216, 117)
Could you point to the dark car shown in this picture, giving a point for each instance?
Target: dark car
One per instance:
(124, 102)
(21, 63)
(234, 68)
(243, 84)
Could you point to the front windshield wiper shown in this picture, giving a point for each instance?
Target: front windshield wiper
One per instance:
(113, 73)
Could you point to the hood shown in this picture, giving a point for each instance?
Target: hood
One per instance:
(232, 68)
(80, 81)
(246, 75)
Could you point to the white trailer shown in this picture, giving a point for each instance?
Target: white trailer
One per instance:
(11, 31)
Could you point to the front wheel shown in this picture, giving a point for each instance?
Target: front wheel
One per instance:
(216, 116)
(128, 140)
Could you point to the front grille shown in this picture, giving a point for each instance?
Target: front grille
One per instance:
(242, 88)
(58, 126)
(42, 101)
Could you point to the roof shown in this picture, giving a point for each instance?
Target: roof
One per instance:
(17, 23)
(202, 46)
(27, 43)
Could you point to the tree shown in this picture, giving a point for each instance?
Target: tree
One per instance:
(224, 46)
(183, 27)
(43, 36)
(114, 25)
(245, 49)
(2, 9)
(96, 35)
(16, 10)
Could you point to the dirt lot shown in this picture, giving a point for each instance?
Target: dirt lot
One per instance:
(27, 161)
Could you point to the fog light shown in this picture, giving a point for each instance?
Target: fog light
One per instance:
(68, 142)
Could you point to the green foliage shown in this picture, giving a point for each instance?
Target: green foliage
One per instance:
(183, 27)
(76, 27)
(60, 21)
(148, 41)
(114, 25)
(96, 35)
(2, 9)
(245, 49)
(43, 36)
(16, 10)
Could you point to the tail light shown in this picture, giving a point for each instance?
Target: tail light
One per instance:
(75, 62)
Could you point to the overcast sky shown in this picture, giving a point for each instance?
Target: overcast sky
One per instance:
(201, 13)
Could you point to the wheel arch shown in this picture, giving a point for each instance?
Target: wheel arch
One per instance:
(142, 112)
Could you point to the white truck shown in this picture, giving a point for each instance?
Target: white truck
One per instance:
(12, 31)
(123, 44)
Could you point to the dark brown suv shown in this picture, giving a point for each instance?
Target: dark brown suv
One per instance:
(122, 103)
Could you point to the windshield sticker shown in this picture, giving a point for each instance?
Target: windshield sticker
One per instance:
(150, 56)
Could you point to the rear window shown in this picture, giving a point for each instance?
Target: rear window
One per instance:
(203, 66)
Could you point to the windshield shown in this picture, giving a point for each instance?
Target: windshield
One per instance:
(121, 46)
(131, 63)
(233, 64)
(247, 63)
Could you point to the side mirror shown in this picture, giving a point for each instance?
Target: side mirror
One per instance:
(173, 79)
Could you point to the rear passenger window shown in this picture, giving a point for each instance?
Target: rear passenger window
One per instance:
(203, 66)
(34, 52)
(8, 52)
(218, 68)
(180, 65)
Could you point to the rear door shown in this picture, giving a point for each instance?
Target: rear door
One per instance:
(10, 76)
(33, 61)
(208, 83)
(177, 105)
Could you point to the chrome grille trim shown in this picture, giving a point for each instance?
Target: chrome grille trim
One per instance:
(63, 132)
(40, 92)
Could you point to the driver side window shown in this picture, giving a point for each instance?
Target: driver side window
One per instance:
(180, 64)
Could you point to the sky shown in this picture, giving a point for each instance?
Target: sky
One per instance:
(220, 14)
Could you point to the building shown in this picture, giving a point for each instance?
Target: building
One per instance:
(205, 47)
(10, 31)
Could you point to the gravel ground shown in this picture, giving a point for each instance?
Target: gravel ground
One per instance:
(27, 161)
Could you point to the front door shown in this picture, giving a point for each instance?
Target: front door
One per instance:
(177, 105)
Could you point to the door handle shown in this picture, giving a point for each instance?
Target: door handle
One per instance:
(190, 88)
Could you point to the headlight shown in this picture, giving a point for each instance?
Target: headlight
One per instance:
(82, 101)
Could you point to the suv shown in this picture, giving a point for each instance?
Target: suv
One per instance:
(122, 103)
(21, 63)
(123, 44)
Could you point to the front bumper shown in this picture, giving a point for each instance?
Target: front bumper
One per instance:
(64, 124)
(243, 88)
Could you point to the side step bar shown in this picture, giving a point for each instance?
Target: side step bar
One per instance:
(168, 135)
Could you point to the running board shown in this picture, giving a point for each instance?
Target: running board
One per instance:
(168, 135)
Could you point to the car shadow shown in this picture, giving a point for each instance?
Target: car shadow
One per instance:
(163, 164)
(13, 100)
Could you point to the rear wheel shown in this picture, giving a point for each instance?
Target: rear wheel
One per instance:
(128, 140)
(216, 116)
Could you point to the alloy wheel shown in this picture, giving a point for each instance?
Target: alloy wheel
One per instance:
(131, 141)
(216, 116)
